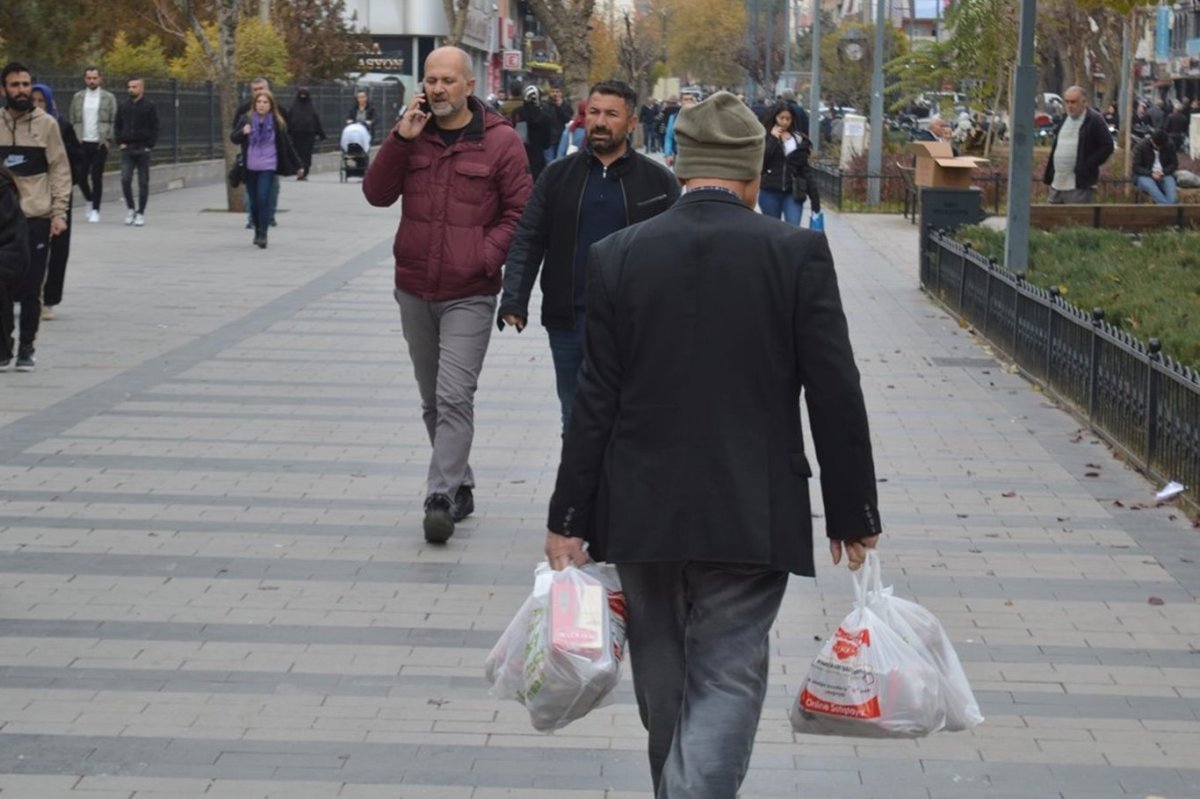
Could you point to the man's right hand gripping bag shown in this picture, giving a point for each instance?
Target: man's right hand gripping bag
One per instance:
(877, 676)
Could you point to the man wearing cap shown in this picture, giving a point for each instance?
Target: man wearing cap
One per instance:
(533, 124)
(684, 460)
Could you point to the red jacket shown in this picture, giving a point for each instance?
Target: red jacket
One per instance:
(461, 204)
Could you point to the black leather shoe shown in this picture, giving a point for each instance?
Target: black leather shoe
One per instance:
(440, 515)
(464, 503)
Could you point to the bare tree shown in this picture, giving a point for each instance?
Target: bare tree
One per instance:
(567, 23)
(181, 17)
(637, 54)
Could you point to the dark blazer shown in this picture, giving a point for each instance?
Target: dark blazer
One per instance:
(14, 238)
(549, 229)
(705, 324)
(1095, 147)
(1143, 158)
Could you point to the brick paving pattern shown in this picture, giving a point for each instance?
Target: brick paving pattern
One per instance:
(214, 582)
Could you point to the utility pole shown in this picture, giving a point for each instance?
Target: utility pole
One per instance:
(768, 36)
(1020, 161)
(875, 154)
(814, 95)
(788, 39)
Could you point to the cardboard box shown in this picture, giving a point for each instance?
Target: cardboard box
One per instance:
(938, 167)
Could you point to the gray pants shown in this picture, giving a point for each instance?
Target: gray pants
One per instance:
(698, 641)
(1072, 197)
(447, 342)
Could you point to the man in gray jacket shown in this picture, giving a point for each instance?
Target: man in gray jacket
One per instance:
(93, 111)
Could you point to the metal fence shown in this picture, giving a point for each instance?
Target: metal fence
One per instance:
(1139, 400)
(189, 113)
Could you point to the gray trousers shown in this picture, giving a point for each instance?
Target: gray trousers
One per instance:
(699, 646)
(1072, 197)
(447, 342)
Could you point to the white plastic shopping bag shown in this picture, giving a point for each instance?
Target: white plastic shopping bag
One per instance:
(561, 654)
(868, 681)
(922, 629)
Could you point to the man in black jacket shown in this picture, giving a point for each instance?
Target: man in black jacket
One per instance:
(577, 201)
(136, 131)
(1154, 164)
(684, 461)
(1082, 144)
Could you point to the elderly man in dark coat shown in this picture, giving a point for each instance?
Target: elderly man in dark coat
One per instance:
(684, 460)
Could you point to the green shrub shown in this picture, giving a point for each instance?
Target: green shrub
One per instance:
(1147, 286)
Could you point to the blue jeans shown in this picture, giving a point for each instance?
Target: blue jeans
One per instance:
(274, 199)
(258, 189)
(776, 204)
(1162, 192)
(566, 349)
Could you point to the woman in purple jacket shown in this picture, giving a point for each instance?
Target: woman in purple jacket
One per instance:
(267, 150)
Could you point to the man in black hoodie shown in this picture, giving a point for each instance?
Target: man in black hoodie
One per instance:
(577, 201)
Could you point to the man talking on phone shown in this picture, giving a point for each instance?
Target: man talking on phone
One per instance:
(463, 177)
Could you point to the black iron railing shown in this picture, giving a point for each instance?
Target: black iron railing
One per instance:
(1139, 400)
(189, 113)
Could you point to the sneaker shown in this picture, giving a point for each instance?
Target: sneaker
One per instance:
(129, 216)
(464, 503)
(26, 362)
(439, 518)
(47, 312)
(5, 363)
(93, 216)
(139, 220)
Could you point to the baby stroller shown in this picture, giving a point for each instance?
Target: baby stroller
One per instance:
(356, 151)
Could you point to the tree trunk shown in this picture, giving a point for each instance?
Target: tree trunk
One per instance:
(456, 18)
(991, 134)
(179, 17)
(566, 22)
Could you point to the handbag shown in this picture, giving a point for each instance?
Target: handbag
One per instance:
(817, 221)
(237, 172)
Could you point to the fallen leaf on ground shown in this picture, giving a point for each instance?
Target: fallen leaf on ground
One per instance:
(1009, 494)
(1156, 600)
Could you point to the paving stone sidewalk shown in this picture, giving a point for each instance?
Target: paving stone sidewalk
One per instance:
(214, 582)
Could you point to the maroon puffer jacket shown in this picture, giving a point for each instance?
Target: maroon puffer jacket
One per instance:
(461, 204)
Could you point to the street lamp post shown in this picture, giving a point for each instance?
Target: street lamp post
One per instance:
(875, 154)
(814, 96)
(1020, 160)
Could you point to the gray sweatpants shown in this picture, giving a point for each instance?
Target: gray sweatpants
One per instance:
(699, 646)
(447, 342)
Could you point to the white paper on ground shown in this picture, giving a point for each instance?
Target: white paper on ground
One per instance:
(1170, 491)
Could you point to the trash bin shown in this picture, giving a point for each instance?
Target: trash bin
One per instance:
(948, 209)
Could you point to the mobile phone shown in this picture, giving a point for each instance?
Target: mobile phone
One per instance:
(424, 105)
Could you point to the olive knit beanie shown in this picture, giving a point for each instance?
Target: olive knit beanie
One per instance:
(719, 138)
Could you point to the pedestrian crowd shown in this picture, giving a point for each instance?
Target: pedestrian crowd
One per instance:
(683, 459)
